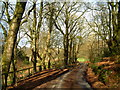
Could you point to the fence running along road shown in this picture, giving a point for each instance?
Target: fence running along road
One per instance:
(25, 76)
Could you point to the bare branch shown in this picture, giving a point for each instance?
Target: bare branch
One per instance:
(73, 27)
(58, 28)
(4, 20)
(7, 12)
(26, 17)
(4, 30)
(59, 11)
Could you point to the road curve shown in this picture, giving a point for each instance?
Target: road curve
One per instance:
(73, 80)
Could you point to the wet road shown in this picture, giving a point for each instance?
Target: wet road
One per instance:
(72, 80)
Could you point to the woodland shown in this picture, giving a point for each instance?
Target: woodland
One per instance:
(37, 35)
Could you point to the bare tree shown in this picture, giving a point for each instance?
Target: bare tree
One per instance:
(14, 23)
(67, 25)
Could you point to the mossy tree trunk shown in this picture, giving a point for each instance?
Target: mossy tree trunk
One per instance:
(118, 28)
(50, 29)
(66, 36)
(70, 50)
(34, 46)
(34, 34)
(14, 24)
(114, 16)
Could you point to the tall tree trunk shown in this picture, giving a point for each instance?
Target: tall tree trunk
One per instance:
(70, 51)
(8, 54)
(66, 40)
(50, 19)
(38, 32)
(114, 8)
(110, 31)
(34, 31)
(112, 42)
(14, 62)
(34, 38)
(118, 29)
(73, 53)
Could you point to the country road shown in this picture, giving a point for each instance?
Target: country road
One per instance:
(72, 79)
